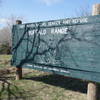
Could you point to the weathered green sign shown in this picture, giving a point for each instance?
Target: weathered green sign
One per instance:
(70, 47)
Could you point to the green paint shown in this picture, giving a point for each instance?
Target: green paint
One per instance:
(70, 47)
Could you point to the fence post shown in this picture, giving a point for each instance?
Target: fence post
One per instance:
(19, 68)
(92, 86)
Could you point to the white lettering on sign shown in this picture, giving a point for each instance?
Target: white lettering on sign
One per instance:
(74, 21)
(61, 70)
(41, 32)
(44, 24)
(59, 30)
(30, 25)
(53, 23)
(31, 32)
(56, 30)
(56, 22)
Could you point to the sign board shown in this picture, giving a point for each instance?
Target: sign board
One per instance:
(69, 47)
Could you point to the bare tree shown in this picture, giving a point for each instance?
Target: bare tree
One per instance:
(5, 32)
(83, 11)
(5, 35)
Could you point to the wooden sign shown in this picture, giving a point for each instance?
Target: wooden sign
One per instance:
(69, 47)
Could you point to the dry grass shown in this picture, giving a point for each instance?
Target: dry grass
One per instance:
(37, 85)
(5, 61)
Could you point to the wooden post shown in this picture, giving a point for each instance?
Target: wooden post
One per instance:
(18, 22)
(18, 73)
(18, 68)
(92, 91)
(96, 9)
(92, 87)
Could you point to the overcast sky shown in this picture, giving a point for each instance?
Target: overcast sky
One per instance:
(39, 10)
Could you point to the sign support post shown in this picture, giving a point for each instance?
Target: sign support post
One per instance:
(92, 87)
(92, 91)
(19, 68)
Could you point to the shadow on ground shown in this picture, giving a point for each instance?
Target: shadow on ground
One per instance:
(63, 82)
